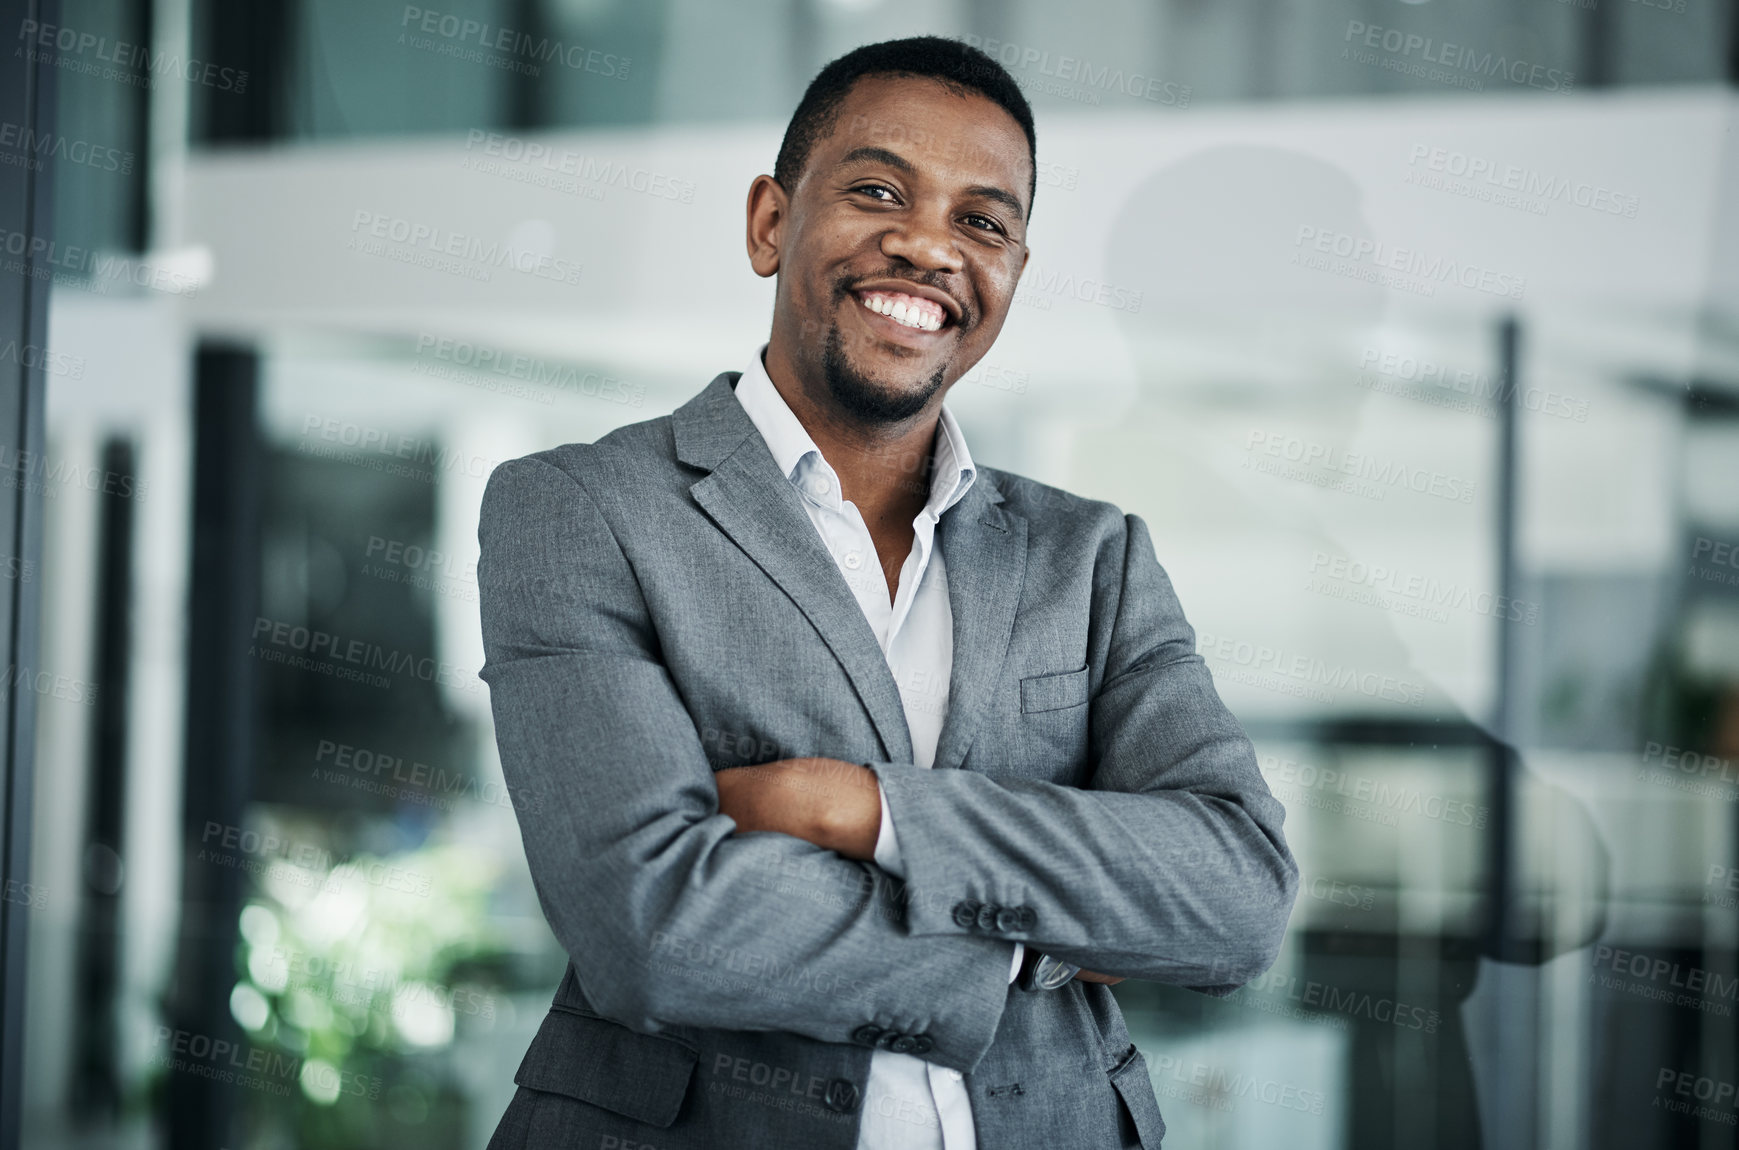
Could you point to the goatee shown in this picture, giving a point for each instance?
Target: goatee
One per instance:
(863, 397)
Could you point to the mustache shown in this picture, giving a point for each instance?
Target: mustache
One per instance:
(937, 280)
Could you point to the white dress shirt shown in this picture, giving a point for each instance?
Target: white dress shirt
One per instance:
(909, 1104)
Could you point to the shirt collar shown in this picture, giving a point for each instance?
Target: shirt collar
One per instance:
(951, 473)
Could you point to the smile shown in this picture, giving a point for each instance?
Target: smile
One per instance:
(906, 310)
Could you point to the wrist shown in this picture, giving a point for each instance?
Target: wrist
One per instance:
(849, 817)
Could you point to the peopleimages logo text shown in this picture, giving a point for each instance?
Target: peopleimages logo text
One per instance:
(1528, 184)
(92, 51)
(1382, 473)
(1412, 46)
(1074, 70)
(487, 37)
(29, 144)
(585, 166)
(437, 241)
(1308, 669)
(1376, 255)
(1390, 796)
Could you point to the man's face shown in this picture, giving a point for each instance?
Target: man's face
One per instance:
(901, 244)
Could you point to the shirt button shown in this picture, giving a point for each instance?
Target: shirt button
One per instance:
(821, 485)
(954, 1075)
(854, 559)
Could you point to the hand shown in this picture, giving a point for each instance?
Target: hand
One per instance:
(829, 802)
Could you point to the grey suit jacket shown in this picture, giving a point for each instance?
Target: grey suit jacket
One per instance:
(657, 606)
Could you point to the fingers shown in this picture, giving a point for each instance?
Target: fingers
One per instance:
(1095, 976)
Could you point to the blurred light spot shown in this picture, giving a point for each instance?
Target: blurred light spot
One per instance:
(249, 1007)
(189, 268)
(259, 925)
(421, 1014)
(320, 1081)
(337, 911)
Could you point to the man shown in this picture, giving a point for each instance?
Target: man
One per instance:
(821, 841)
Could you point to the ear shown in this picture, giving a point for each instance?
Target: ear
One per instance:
(768, 205)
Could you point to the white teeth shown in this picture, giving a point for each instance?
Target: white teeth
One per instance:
(911, 315)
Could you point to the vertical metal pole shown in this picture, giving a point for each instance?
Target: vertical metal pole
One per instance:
(1502, 943)
(141, 19)
(1510, 1105)
(526, 98)
(1598, 43)
(96, 1076)
(27, 97)
(257, 37)
(221, 721)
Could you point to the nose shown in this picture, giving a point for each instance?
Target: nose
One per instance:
(925, 240)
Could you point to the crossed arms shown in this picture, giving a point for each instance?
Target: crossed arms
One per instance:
(1170, 866)
(829, 802)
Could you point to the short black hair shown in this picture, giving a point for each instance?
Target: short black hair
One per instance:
(955, 64)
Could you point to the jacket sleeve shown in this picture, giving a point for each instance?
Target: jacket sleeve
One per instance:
(1170, 865)
(671, 919)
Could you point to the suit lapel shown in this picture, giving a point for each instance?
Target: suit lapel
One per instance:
(984, 551)
(763, 514)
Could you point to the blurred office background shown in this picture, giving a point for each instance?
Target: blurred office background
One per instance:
(1410, 328)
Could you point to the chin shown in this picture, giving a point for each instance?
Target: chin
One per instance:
(870, 398)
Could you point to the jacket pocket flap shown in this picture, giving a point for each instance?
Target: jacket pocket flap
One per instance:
(1053, 692)
(639, 1076)
(1135, 1087)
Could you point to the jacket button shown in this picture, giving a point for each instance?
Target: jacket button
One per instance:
(965, 913)
(987, 916)
(903, 1044)
(867, 1034)
(922, 1044)
(1029, 918)
(841, 1095)
(1008, 920)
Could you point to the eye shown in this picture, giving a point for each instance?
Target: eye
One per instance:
(871, 190)
(984, 223)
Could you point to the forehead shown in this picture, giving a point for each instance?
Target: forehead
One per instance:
(959, 135)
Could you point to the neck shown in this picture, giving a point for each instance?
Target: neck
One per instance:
(883, 468)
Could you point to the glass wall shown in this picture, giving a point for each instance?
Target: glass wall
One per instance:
(1408, 328)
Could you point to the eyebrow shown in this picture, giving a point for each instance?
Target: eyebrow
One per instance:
(1000, 195)
(875, 155)
(869, 154)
